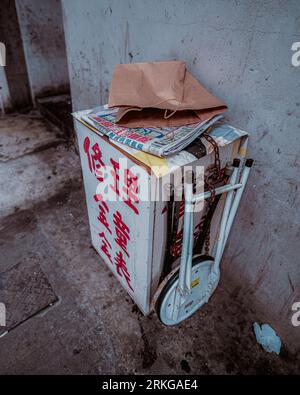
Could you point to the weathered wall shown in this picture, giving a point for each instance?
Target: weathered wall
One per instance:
(44, 45)
(5, 103)
(241, 51)
(14, 79)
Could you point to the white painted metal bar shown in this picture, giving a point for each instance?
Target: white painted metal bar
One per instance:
(218, 191)
(188, 212)
(186, 256)
(188, 274)
(235, 204)
(225, 215)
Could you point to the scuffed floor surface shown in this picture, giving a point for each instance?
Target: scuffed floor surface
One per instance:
(90, 325)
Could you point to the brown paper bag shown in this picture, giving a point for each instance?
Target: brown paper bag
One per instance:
(160, 94)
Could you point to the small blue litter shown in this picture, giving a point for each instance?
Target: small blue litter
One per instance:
(267, 337)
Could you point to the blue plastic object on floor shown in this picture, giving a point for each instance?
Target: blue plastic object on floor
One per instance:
(267, 337)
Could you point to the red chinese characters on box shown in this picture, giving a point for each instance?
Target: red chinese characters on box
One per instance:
(122, 232)
(105, 246)
(103, 211)
(115, 232)
(94, 156)
(129, 192)
(122, 236)
(122, 268)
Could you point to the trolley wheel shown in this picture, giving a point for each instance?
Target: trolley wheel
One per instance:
(201, 268)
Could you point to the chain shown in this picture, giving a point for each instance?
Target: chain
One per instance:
(207, 243)
(214, 175)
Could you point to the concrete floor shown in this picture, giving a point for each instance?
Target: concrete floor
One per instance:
(93, 326)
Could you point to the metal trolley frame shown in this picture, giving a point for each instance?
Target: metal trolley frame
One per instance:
(188, 287)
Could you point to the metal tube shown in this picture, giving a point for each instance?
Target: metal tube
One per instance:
(186, 243)
(188, 212)
(224, 219)
(235, 204)
(188, 277)
(218, 191)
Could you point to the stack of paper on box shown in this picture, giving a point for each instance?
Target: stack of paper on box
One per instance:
(158, 107)
(157, 141)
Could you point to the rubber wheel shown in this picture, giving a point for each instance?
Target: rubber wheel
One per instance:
(198, 261)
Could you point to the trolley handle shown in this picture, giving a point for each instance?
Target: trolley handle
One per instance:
(249, 162)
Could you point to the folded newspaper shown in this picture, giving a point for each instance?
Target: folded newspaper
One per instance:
(161, 142)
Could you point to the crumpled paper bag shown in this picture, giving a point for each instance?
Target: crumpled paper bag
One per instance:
(160, 94)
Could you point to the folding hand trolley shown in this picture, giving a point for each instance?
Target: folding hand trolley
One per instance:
(191, 285)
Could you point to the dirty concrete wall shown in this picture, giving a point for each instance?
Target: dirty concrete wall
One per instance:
(44, 46)
(14, 79)
(241, 51)
(5, 103)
